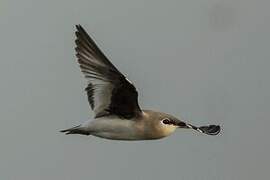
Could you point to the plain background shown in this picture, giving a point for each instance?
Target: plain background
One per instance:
(205, 61)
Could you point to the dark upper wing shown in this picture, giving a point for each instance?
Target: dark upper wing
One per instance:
(109, 92)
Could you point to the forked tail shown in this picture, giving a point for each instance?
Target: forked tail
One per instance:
(76, 130)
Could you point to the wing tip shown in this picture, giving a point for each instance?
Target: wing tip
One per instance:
(78, 26)
(80, 30)
(211, 129)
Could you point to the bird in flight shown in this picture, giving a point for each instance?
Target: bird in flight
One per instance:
(114, 100)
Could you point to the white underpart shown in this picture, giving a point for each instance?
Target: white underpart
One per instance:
(112, 128)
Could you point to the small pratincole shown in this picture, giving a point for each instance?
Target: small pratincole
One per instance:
(114, 100)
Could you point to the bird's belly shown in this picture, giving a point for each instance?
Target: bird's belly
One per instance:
(117, 129)
(116, 136)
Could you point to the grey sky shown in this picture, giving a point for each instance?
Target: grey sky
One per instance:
(205, 61)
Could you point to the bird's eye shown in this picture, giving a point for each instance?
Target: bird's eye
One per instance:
(166, 121)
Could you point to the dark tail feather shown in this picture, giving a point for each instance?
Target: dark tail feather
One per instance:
(75, 130)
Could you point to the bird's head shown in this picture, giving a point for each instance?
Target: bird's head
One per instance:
(162, 125)
(169, 124)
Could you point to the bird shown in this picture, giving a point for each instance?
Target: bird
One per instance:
(114, 101)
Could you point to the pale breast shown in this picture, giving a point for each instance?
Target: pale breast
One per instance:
(154, 129)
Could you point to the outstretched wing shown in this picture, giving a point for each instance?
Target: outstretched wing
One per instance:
(109, 92)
